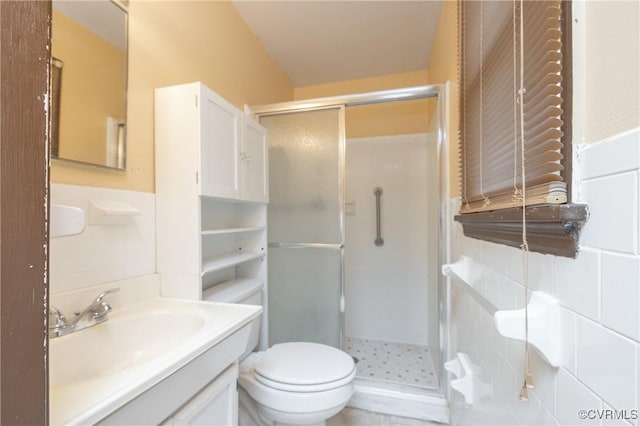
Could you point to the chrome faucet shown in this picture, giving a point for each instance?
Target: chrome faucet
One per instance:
(93, 314)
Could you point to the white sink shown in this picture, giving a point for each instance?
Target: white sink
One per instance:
(94, 371)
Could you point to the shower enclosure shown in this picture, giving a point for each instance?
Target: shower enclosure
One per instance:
(391, 256)
(355, 239)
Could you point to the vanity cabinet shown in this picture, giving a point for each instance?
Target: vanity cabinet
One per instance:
(211, 192)
(216, 404)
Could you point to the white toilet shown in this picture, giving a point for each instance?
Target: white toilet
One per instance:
(295, 383)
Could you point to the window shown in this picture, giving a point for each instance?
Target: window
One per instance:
(513, 55)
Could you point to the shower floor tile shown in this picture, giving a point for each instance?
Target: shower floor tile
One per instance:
(391, 362)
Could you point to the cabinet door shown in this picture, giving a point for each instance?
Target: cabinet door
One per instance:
(216, 404)
(255, 157)
(220, 148)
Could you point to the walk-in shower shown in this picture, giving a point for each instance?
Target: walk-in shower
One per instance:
(355, 238)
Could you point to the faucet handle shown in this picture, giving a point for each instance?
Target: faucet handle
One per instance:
(56, 319)
(104, 293)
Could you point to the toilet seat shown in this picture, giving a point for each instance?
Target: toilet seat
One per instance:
(297, 383)
(304, 367)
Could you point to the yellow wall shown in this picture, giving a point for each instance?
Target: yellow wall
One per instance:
(173, 42)
(93, 78)
(606, 68)
(378, 119)
(443, 68)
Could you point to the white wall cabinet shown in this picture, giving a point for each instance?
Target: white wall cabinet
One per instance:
(234, 157)
(220, 144)
(224, 151)
(211, 190)
(254, 158)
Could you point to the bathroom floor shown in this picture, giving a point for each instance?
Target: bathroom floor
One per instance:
(391, 362)
(355, 417)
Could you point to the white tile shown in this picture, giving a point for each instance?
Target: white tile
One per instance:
(571, 397)
(514, 354)
(608, 364)
(569, 336)
(613, 213)
(618, 154)
(547, 418)
(541, 272)
(621, 294)
(611, 416)
(506, 402)
(576, 282)
(103, 253)
(511, 259)
(500, 291)
(529, 413)
(544, 377)
(494, 365)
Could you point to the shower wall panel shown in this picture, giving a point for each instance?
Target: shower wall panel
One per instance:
(391, 290)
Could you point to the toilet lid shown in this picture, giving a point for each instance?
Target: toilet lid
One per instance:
(287, 365)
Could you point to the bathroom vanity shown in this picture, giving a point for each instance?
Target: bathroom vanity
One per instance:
(156, 361)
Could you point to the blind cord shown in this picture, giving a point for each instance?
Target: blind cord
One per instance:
(528, 379)
(487, 201)
(465, 199)
(517, 195)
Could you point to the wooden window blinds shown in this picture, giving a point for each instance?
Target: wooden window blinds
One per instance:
(498, 39)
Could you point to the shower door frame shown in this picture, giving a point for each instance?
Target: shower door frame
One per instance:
(441, 93)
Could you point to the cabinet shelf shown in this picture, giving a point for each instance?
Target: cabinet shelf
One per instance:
(218, 263)
(223, 231)
(232, 291)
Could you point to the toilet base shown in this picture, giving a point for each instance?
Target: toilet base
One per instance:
(252, 413)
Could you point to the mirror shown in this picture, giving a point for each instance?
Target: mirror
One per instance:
(89, 82)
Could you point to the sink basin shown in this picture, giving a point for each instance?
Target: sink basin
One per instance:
(120, 343)
(94, 371)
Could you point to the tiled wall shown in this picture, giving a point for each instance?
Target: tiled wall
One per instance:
(102, 253)
(391, 281)
(600, 297)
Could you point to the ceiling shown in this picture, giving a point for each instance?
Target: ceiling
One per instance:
(317, 42)
(103, 18)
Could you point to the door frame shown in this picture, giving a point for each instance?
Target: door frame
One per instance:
(24, 204)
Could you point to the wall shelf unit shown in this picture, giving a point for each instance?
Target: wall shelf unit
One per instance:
(211, 192)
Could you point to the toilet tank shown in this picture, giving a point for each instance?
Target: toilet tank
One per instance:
(244, 292)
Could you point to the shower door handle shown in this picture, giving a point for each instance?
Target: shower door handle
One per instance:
(378, 194)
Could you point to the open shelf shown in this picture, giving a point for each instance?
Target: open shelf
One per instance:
(223, 231)
(217, 263)
(232, 291)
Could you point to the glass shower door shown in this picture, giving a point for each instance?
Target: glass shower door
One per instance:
(306, 225)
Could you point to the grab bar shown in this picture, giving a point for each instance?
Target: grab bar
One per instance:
(378, 241)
